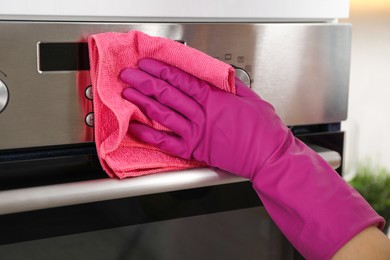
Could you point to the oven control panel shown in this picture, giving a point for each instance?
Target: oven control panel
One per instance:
(3, 96)
(243, 76)
(45, 87)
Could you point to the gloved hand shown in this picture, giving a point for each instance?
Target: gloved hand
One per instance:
(311, 204)
(210, 125)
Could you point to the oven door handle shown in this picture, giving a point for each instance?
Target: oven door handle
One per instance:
(50, 196)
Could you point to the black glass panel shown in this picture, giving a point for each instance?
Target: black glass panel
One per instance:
(63, 56)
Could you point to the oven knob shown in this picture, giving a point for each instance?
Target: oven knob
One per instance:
(243, 76)
(89, 119)
(88, 92)
(3, 96)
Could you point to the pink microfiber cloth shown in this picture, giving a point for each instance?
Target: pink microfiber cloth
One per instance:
(121, 155)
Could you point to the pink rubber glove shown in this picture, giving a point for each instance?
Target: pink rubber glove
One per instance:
(312, 205)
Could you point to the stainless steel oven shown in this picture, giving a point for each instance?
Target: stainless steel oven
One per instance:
(56, 200)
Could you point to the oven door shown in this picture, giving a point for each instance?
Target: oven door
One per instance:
(56, 202)
(193, 214)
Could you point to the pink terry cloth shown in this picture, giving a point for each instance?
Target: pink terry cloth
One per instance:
(121, 155)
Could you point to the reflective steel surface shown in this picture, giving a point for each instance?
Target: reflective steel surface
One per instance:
(302, 69)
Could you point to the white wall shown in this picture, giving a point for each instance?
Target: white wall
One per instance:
(368, 124)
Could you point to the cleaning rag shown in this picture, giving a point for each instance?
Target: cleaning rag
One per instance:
(120, 154)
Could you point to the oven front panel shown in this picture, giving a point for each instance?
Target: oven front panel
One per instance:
(302, 69)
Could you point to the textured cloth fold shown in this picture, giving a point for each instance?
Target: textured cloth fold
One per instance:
(121, 155)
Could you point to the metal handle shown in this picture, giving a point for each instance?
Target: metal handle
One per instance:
(26, 199)
(332, 157)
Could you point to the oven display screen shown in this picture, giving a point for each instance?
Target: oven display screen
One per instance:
(63, 56)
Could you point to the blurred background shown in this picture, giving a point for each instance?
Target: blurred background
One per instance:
(367, 146)
(368, 124)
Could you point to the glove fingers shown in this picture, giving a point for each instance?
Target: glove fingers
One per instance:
(190, 85)
(163, 140)
(161, 91)
(158, 112)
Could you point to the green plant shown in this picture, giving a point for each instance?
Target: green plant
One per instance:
(373, 183)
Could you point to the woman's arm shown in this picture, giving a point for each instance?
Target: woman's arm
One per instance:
(371, 243)
(312, 205)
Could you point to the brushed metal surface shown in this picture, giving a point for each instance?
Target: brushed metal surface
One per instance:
(26, 199)
(302, 69)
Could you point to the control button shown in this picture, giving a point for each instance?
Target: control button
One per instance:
(243, 76)
(88, 92)
(89, 119)
(3, 96)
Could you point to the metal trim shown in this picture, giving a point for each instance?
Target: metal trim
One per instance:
(27, 199)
